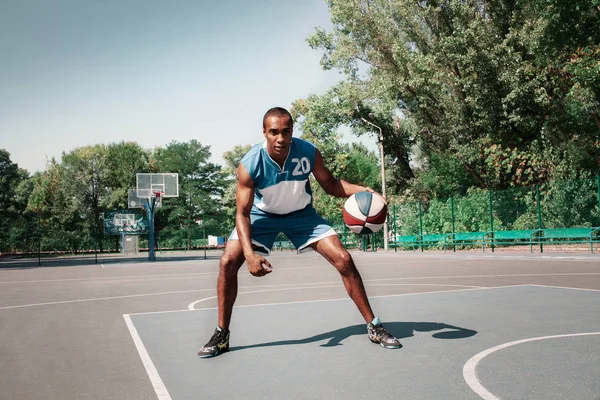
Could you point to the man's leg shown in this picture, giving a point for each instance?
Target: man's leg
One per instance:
(227, 283)
(332, 249)
(227, 287)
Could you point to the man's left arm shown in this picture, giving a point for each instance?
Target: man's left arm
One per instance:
(332, 185)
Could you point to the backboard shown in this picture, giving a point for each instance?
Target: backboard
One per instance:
(140, 198)
(166, 183)
(125, 221)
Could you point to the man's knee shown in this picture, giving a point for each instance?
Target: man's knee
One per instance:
(230, 263)
(343, 262)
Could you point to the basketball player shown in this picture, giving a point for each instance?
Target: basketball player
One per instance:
(274, 195)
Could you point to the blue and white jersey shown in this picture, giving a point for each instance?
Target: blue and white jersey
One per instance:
(281, 190)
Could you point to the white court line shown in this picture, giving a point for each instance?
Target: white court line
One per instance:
(371, 280)
(470, 375)
(167, 293)
(287, 285)
(108, 278)
(566, 287)
(337, 299)
(503, 275)
(192, 306)
(491, 256)
(133, 277)
(159, 387)
(102, 298)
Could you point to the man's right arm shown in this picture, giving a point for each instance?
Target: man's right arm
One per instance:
(244, 201)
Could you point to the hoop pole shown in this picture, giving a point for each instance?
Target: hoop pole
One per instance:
(151, 255)
(204, 234)
(39, 241)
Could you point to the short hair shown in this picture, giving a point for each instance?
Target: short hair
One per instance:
(277, 112)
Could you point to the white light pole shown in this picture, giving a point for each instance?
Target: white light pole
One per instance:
(385, 227)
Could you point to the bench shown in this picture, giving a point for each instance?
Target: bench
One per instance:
(571, 235)
(435, 239)
(403, 241)
(514, 237)
(469, 238)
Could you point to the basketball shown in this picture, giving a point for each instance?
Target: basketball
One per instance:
(365, 212)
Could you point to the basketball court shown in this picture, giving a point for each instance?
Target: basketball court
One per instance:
(495, 326)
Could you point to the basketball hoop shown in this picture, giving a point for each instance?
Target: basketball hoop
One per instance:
(158, 194)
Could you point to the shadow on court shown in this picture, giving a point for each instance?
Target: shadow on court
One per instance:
(400, 330)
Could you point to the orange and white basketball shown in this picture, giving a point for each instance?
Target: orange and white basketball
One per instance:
(365, 212)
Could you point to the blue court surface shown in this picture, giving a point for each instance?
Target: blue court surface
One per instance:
(511, 342)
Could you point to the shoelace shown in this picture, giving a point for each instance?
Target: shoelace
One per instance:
(216, 338)
(382, 332)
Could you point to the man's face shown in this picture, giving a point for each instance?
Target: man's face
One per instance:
(278, 132)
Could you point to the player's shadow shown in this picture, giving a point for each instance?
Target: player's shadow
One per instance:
(400, 330)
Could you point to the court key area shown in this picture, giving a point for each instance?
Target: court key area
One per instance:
(473, 326)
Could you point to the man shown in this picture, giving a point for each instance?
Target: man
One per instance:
(273, 196)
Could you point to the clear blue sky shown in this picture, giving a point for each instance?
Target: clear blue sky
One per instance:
(83, 72)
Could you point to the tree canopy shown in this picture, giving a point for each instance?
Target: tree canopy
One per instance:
(509, 89)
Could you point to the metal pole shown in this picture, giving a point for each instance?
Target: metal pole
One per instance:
(539, 210)
(39, 242)
(452, 213)
(491, 220)
(394, 225)
(420, 227)
(383, 189)
(151, 256)
(204, 234)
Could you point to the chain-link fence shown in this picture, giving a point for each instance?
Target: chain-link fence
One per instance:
(538, 211)
(556, 210)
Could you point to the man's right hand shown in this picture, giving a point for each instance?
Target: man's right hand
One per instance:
(258, 265)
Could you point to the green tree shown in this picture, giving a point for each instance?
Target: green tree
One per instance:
(13, 202)
(55, 208)
(124, 160)
(84, 173)
(201, 185)
(494, 85)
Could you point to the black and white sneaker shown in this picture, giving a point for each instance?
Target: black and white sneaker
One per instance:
(377, 334)
(218, 343)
